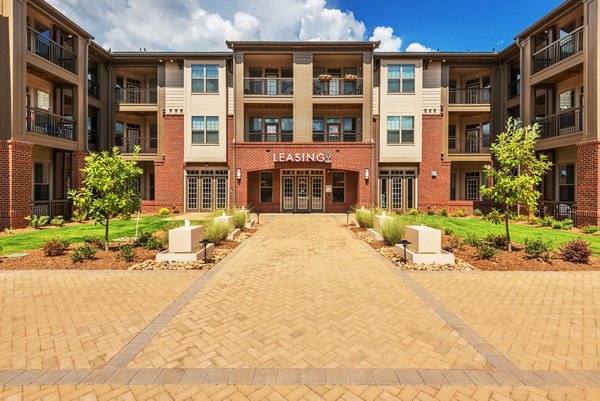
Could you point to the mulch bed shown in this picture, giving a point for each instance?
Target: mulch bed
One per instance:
(517, 260)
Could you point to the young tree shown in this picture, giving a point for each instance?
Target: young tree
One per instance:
(516, 170)
(109, 188)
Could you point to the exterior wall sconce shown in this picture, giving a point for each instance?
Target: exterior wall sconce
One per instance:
(238, 174)
(433, 174)
(366, 174)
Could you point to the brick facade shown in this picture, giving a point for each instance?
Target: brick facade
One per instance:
(588, 183)
(78, 164)
(16, 175)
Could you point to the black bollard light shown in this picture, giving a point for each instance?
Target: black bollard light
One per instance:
(205, 242)
(404, 244)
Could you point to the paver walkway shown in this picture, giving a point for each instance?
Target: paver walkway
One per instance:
(302, 310)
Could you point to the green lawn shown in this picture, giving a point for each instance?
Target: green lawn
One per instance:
(74, 233)
(518, 232)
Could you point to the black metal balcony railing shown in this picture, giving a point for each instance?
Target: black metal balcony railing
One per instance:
(338, 87)
(514, 89)
(566, 122)
(52, 208)
(93, 140)
(43, 122)
(559, 50)
(127, 145)
(558, 210)
(469, 145)
(94, 90)
(469, 96)
(50, 50)
(136, 95)
(270, 137)
(339, 137)
(269, 86)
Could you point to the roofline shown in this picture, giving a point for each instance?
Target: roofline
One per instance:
(123, 56)
(440, 56)
(552, 14)
(55, 13)
(232, 44)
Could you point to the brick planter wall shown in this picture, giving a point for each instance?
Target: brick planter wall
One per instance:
(588, 183)
(16, 176)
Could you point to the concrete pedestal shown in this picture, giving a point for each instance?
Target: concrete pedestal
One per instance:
(423, 239)
(378, 222)
(227, 220)
(194, 256)
(185, 239)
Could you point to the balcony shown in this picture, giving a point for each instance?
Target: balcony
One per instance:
(269, 86)
(339, 137)
(566, 122)
(337, 87)
(93, 90)
(136, 95)
(558, 51)
(93, 140)
(48, 49)
(127, 145)
(268, 137)
(469, 96)
(43, 122)
(558, 210)
(468, 146)
(514, 89)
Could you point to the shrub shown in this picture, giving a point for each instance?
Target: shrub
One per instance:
(57, 221)
(413, 212)
(495, 216)
(557, 225)
(8, 231)
(84, 252)
(392, 231)
(37, 221)
(430, 213)
(127, 253)
(534, 220)
(567, 224)
(364, 218)
(496, 240)
(538, 248)
(477, 212)
(239, 219)
(171, 224)
(486, 251)
(79, 216)
(216, 232)
(547, 221)
(454, 241)
(142, 239)
(448, 231)
(589, 229)
(521, 217)
(472, 239)
(153, 243)
(164, 211)
(460, 213)
(443, 212)
(55, 247)
(576, 251)
(175, 210)
(94, 240)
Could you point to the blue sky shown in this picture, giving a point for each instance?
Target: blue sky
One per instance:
(205, 25)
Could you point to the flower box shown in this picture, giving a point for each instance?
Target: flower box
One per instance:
(324, 77)
(350, 77)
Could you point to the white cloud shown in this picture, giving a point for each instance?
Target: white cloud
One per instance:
(322, 23)
(389, 42)
(417, 47)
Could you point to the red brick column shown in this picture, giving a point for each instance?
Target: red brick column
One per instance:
(78, 164)
(433, 192)
(168, 173)
(588, 183)
(16, 176)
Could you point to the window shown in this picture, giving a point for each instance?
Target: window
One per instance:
(255, 124)
(472, 186)
(42, 100)
(401, 134)
(287, 124)
(151, 186)
(566, 100)
(393, 129)
(338, 187)
(452, 186)
(153, 135)
(566, 183)
(401, 78)
(485, 133)
(452, 137)
(408, 129)
(205, 78)
(205, 129)
(41, 181)
(119, 133)
(266, 187)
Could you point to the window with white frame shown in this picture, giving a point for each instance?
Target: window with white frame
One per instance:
(401, 129)
(566, 182)
(401, 78)
(205, 78)
(205, 130)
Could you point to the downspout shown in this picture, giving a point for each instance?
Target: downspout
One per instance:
(521, 67)
(234, 170)
(86, 101)
(110, 108)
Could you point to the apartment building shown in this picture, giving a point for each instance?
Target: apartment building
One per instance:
(294, 126)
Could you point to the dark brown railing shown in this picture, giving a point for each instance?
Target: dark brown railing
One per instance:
(93, 140)
(269, 86)
(469, 96)
(52, 208)
(469, 146)
(558, 51)
(558, 210)
(43, 122)
(94, 90)
(514, 89)
(271, 137)
(136, 95)
(340, 137)
(50, 50)
(127, 145)
(566, 122)
(338, 87)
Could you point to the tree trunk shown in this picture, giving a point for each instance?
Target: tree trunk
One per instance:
(106, 234)
(506, 213)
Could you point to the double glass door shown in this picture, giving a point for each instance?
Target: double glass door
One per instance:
(302, 192)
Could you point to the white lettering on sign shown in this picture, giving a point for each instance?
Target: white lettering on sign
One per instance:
(299, 157)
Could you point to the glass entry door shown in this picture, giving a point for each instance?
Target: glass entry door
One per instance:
(288, 194)
(302, 191)
(317, 193)
(302, 184)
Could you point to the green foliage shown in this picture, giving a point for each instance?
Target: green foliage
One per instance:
(142, 239)
(55, 246)
(496, 240)
(486, 251)
(443, 212)
(517, 168)
(239, 219)
(589, 229)
(175, 210)
(454, 241)
(8, 231)
(79, 216)
(94, 240)
(472, 239)
(84, 252)
(37, 222)
(565, 224)
(534, 220)
(576, 251)
(547, 221)
(110, 188)
(164, 211)
(448, 231)
(216, 232)
(364, 218)
(127, 253)
(430, 213)
(538, 248)
(477, 212)
(495, 216)
(460, 213)
(57, 221)
(413, 212)
(171, 224)
(392, 230)
(153, 243)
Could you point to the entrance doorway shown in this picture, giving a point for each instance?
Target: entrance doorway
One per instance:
(302, 191)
